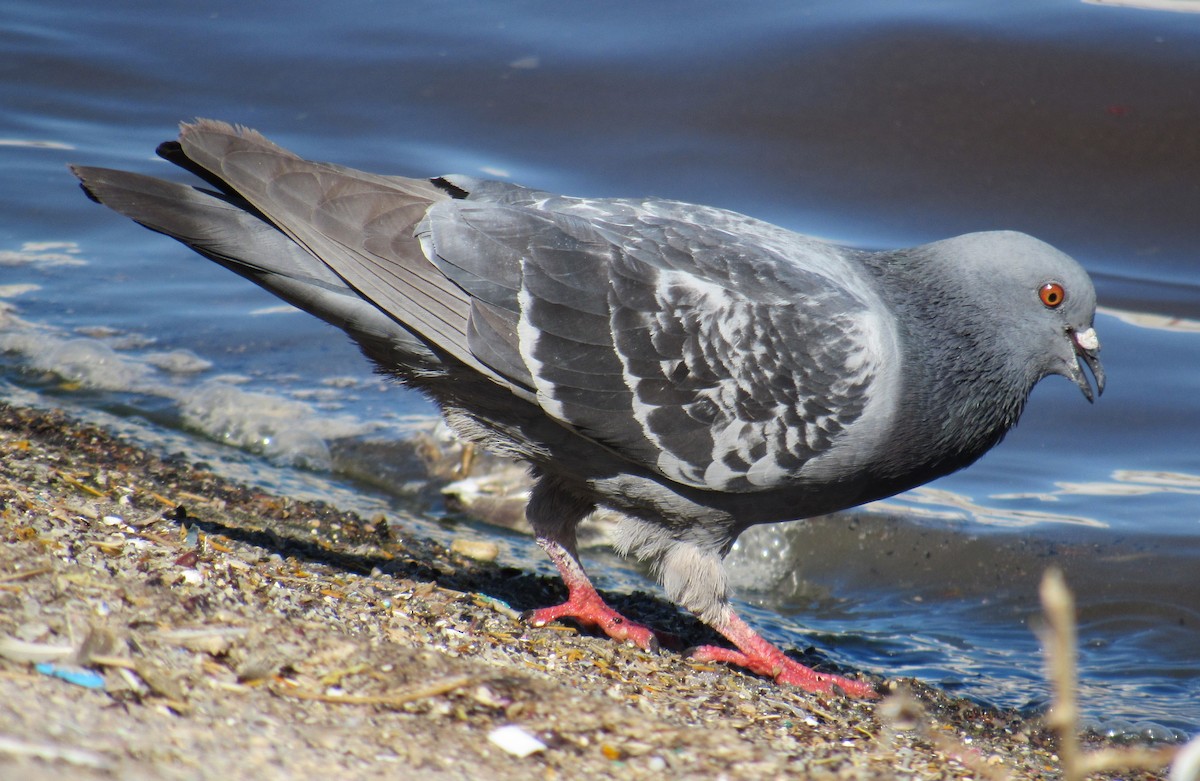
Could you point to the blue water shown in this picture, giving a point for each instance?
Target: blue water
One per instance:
(871, 123)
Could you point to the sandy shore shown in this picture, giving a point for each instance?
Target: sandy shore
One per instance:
(190, 628)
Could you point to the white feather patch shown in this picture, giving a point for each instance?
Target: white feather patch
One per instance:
(527, 340)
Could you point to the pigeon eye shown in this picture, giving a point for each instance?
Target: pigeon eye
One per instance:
(1052, 294)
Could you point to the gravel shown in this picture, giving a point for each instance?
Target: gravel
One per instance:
(159, 622)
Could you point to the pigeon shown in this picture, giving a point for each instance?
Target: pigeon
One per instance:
(695, 370)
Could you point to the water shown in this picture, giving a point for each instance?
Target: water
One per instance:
(872, 123)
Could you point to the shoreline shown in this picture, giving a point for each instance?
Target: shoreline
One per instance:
(228, 632)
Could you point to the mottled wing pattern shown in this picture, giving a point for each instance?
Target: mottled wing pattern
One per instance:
(705, 355)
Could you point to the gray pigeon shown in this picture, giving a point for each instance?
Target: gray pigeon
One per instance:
(697, 370)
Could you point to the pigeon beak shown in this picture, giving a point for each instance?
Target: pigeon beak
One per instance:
(1087, 348)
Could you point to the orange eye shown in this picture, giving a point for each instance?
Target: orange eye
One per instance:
(1052, 294)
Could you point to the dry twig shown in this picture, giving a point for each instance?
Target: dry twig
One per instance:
(396, 698)
(1060, 643)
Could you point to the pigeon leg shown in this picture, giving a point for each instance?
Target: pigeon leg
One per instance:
(759, 656)
(585, 605)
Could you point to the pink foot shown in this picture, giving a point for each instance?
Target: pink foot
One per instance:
(587, 607)
(759, 656)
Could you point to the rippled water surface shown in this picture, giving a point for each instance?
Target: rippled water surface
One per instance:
(875, 124)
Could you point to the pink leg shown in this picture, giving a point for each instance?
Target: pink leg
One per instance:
(585, 605)
(759, 656)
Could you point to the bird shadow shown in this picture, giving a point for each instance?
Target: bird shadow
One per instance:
(368, 549)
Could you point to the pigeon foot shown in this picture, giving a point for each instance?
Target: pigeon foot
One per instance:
(759, 656)
(586, 607)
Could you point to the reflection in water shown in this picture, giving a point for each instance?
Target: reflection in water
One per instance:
(43, 254)
(1181, 6)
(1132, 482)
(940, 504)
(1152, 320)
(34, 144)
(176, 387)
(1125, 482)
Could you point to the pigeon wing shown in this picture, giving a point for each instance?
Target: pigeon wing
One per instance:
(358, 224)
(703, 355)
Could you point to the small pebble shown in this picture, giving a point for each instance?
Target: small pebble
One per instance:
(480, 550)
(516, 740)
(1187, 762)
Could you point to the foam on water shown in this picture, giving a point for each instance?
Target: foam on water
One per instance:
(46, 254)
(288, 431)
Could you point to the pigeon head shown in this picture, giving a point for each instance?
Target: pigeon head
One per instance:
(1039, 301)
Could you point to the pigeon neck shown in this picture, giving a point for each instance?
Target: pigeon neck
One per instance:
(961, 394)
(965, 411)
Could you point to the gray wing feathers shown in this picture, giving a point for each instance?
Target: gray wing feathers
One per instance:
(653, 340)
(528, 275)
(719, 351)
(731, 389)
